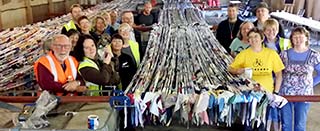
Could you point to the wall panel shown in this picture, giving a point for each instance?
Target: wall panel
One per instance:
(58, 7)
(12, 4)
(40, 12)
(13, 12)
(19, 19)
(38, 2)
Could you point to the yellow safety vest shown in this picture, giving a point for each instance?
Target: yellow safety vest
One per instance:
(284, 44)
(70, 25)
(91, 86)
(134, 46)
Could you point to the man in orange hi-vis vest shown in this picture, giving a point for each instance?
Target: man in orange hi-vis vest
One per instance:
(56, 72)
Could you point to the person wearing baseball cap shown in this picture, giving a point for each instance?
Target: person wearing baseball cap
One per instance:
(262, 13)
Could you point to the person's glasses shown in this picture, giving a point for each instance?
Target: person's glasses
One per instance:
(62, 46)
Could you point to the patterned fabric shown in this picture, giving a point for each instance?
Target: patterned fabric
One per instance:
(298, 75)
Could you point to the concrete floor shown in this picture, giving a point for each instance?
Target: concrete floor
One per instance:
(313, 123)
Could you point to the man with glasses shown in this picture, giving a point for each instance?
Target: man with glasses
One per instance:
(56, 72)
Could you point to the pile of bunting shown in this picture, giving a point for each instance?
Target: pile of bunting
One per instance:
(184, 74)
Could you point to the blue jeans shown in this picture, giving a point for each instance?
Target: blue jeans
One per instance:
(273, 114)
(300, 112)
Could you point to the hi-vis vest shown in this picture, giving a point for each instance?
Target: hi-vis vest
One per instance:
(70, 25)
(284, 44)
(91, 86)
(52, 64)
(134, 46)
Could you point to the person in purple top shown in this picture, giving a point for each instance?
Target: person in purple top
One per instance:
(300, 63)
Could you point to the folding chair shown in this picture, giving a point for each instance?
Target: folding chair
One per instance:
(288, 6)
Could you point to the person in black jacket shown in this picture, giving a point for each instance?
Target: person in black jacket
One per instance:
(127, 67)
(227, 30)
(146, 17)
(144, 22)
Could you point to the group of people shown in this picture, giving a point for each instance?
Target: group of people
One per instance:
(107, 52)
(89, 56)
(281, 66)
(92, 54)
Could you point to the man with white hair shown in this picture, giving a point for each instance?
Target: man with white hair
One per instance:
(56, 72)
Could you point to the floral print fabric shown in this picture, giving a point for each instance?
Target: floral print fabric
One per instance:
(298, 75)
